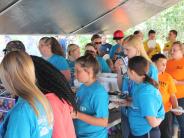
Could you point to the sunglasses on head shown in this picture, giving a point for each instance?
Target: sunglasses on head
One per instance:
(98, 43)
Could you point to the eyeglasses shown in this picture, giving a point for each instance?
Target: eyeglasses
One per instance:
(97, 43)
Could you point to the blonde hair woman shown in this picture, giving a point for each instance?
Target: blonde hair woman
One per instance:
(31, 117)
(133, 47)
(73, 54)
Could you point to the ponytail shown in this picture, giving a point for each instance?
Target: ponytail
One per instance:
(151, 81)
(55, 46)
(141, 66)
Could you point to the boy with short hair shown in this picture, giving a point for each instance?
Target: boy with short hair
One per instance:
(167, 89)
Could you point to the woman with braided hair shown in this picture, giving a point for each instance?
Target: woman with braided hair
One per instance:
(57, 90)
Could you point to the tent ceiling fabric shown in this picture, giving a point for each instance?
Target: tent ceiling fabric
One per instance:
(75, 16)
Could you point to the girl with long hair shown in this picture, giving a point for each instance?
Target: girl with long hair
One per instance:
(145, 111)
(73, 53)
(57, 90)
(32, 116)
(133, 46)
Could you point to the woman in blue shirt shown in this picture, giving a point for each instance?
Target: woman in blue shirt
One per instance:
(104, 68)
(32, 116)
(145, 111)
(92, 100)
(133, 46)
(73, 54)
(51, 50)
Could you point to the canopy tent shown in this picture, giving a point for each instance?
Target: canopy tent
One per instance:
(75, 16)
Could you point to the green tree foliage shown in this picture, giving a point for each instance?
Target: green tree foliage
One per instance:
(82, 41)
(171, 18)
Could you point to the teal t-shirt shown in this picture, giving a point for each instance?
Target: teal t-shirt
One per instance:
(129, 85)
(92, 100)
(22, 122)
(113, 50)
(104, 68)
(59, 62)
(146, 101)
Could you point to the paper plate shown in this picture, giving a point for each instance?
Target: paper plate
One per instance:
(152, 43)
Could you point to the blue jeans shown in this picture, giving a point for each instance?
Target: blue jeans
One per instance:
(154, 133)
(125, 127)
(180, 118)
(167, 125)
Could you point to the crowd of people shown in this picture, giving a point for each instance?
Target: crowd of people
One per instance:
(47, 106)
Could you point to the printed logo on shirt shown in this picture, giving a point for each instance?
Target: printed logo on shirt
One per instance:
(162, 84)
(135, 108)
(82, 108)
(43, 125)
(44, 131)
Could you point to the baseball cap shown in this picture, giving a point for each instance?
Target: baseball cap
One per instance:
(118, 34)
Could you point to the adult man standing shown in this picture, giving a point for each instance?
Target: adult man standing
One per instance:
(96, 40)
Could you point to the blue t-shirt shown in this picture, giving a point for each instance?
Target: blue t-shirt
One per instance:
(72, 71)
(105, 48)
(92, 100)
(22, 122)
(146, 101)
(59, 62)
(104, 68)
(113, 50)
(128, 85)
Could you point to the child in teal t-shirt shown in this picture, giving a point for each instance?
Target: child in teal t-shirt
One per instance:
(145, 111)
(32, 115)
(92, 100)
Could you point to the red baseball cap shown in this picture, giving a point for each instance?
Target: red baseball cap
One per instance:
(118, 34)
